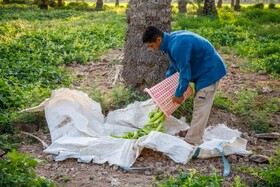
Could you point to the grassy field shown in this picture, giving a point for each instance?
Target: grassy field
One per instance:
(36, 46)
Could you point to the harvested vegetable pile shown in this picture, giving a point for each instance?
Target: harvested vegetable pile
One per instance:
(156, 119)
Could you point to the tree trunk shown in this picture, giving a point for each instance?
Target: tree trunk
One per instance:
(99, 4)
(232, 3)
(142, 67)
(219, 4)
(59, 3)
(237, 5)
(117, 3)
(44, 5)
(6, 1)
(209, 8)
(182, 6)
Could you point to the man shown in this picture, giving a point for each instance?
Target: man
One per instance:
(197, 61)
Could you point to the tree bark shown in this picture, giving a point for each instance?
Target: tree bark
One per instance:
(142, 67)
(59, 3)
(99, 4)
(117, 3)
(232, 3)
(44, 5)
(209, 8)
(182, 6)
(219, 4)
(237, 5)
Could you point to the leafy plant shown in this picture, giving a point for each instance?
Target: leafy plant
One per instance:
(262, 16)
(77, 5)
(271, 175)
(120, 96)
(237, 182)
(222, 102)
(256, 109)
(271, 6)
(155, 123)
(272, 64)
(185, 110)
(265, 177)
(8, 142)
(192, 179)
(244, 101)
(36, 46)
(18, 170)
(258, 5)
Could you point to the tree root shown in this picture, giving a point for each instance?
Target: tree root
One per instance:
(45, 145)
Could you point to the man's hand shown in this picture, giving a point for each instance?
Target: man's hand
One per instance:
(178, 100)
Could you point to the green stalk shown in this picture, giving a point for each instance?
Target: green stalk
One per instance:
(156, 116)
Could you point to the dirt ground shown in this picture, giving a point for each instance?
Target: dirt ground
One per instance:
(105, 73)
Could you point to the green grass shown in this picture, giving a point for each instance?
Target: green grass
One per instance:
(256, 109)
(119, 97)
(36, 45)
(264, 177)
(19, 170)
(222, 102)
(191, 179)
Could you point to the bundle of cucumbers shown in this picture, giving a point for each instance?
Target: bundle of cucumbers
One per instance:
(155, 123)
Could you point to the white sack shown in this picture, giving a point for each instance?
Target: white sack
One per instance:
(172, 146)
(134, 117)
(223, 138)
(79, 130)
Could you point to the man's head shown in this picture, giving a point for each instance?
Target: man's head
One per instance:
(152, 37)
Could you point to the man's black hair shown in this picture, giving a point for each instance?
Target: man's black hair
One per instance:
(151, 33)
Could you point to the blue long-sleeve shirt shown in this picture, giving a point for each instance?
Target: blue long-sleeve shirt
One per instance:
(194, 58)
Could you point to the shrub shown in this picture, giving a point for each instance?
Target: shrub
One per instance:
(272, 64)
(227, 16)
(78, 4)
(121, 96)
(262, 16)
(36, 45)
(271, 6)
(8, 142)
(18, 1)
(18, 170)
(225, 36)
(258, 5)
(270, 33)
(256, 109)
(269, 176)
(195, 22)
(192, 179)
(222, 102)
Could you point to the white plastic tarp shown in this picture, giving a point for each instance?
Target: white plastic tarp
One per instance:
(79, 130)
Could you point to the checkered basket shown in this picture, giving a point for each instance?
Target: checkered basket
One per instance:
(163, 92)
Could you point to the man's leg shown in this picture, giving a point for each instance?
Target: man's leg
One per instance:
(202, 105)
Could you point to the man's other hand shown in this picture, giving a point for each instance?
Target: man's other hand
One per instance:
(178, 100)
